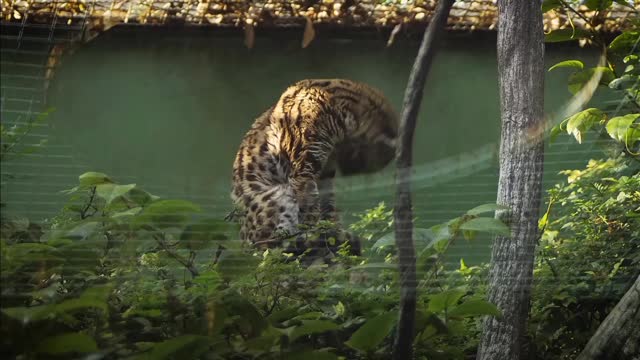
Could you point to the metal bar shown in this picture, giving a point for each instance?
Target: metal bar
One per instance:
(22, 88)
(31, 65)
(27, 77)
(17, 100)
(23, 112)
(42, 26)
(24, 52)
(19, 39)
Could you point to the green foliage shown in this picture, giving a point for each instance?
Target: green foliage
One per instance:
(588, 255)
(598, 4)
(589, 251)
(578, 124)
(67, 343)
(579, 79)
(122, 272)
(568, 63)
(484, 224)
(12, 146)
(12, 142)
(181, 347)
(370, 335)
(622, 129)
(548, 5)
(621, 74)
(568, 34)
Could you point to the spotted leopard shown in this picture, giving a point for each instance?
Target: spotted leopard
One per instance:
(283, 170)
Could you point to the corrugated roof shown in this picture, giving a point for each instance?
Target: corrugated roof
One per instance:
(465, 15)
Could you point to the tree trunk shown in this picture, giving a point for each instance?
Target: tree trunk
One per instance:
(403, 344)
(618, 337)
(521, 75)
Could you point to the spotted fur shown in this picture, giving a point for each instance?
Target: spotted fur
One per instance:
(283, 171)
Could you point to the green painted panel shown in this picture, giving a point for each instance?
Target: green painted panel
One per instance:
(167, 110)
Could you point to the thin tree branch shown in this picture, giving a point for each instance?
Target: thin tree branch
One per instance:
(403, 344)
(186, 263)
(83, 213)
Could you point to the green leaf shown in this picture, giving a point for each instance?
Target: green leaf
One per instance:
(234, 263)
(98, 292)
(17, 255)
(445, 300)
(27, 248)
(339, 309)
(579, 79)
(568, 63)
(421, 237)
(568, 34)
(282, 315)
(598, 4)
(94, 297)
(263, 343)
(463, 265)
(313, 315)
(485, 208)
(548, 5)
(555, 131)
(386, 240)
(167, 213)
(624, 82)
(618, 127)
(206, 232)
(83, 256)
(127, 213)
(312, 327)
(92, 178)
(374, 266)
(371, 334)
(141, 197)
(26, 315)
(475, 308)
(488, 225)
(544, 220)
(74, 305)
(67, 343)
(468, 235)
(624, 3)
(83, 230)
(632, 136)
(624, 43)
(110, 192)
(583, 121)
(181, 347)
(249, 320)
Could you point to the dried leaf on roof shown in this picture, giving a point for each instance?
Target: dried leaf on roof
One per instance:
(465, 15)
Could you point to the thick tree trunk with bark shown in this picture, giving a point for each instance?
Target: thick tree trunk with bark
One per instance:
(618, 337)
(521, 74)
(403, 345)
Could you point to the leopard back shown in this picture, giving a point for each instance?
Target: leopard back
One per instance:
(283, 171)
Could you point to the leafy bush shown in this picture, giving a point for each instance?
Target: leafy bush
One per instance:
(589, 254)
(122, 273)
(618, 71)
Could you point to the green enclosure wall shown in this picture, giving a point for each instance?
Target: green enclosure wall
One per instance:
(167, 109)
